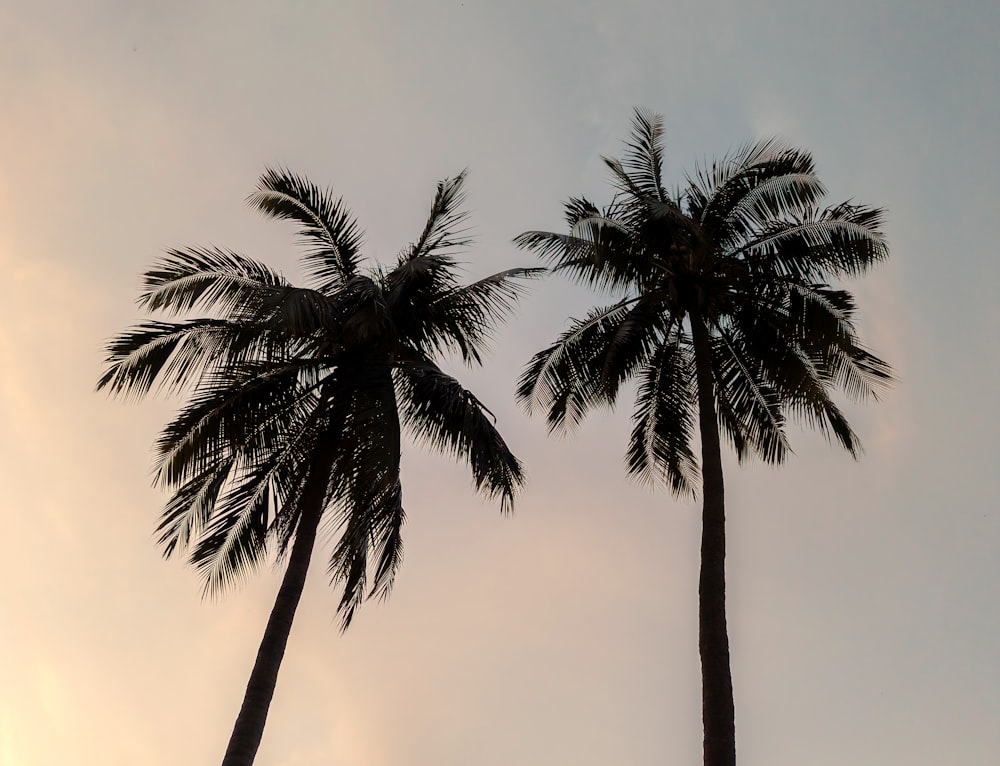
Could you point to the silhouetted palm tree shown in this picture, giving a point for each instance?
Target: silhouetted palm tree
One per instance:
(298, 397)
(726, 319)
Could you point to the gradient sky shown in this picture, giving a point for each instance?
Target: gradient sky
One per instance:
(864, 612)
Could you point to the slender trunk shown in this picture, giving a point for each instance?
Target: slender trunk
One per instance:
(249, 728)
(717, 709)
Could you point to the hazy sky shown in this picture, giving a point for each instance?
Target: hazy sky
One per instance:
(864, 613)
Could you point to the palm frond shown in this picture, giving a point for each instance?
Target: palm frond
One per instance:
(821, 319)
(349, 562)
(448, 417)
(578, 208)
(802, 386)
(643, 163)
(766, 175)
(370, 548)
(664, 421)
(444, 231)
(462, 317)
(841, 241)
(819, 412)
(174, 355)
(857, 371)
(228, 534)
(388, 548)
(599, 252)
(366, 477)
(564, 379)
(207, 278)
(630, 343)
(327, 229)
(423, 278)
(492, 298)
(624, 184)
(233, 544)
(774, 198)
(749, 407)
(241, 410)
(191, 506)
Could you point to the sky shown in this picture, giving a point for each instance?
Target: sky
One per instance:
(864, 615)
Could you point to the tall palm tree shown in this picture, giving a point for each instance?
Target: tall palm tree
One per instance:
(724, 315)
(297, 400)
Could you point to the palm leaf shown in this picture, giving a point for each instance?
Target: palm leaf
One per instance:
(448, 417)
(749, 408)
(327, 228)
(443, 232)
(765, 178)
(173, 355)
(565, 379)
(462, 317)
(840, 241)
(664, 421)
(366, 476)
(643, 162)
(599, 252)
(233, 544)
(190, 507)
(207, 278)
(388, 549)
(239, 411)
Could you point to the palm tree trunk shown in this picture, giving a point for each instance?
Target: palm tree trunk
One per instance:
(717, 709)
(249, 728)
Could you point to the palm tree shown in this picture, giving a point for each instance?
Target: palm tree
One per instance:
(297, 400)
(724, 315)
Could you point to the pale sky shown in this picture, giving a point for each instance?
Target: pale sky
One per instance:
(864, 607)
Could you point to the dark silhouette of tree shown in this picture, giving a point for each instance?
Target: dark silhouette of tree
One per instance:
(297, 400)
(725, 317)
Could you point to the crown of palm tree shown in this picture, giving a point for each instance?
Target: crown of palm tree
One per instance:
(283, 380)
(745, 250)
